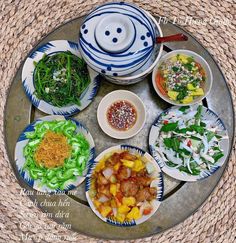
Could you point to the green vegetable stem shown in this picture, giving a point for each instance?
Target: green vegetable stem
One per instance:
(60, 79)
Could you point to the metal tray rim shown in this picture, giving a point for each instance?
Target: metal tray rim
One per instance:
(228, 157)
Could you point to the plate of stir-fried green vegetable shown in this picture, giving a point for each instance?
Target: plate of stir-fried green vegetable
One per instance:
(56, 79)
(189, 143)
(33, 143)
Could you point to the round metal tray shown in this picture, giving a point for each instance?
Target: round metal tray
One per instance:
(180, 199)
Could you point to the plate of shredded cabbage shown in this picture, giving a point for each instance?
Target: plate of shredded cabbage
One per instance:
(52, 154)
(189, 143)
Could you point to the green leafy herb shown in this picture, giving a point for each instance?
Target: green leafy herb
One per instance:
(169, 127)
(202, 124)
(194, 168)
(188, 65)
(198, 115)
(210, 135)
(184, 108)
(175, 69)
(183, 92)
(216, 149)
(185, 151)
(196, 82)
(172, 143)
(171, 164)
(217, 156)
(195, 138)
(197, 129)
(177, 88)
(182, 130)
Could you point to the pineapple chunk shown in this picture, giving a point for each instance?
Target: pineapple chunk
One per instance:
(96, 203)
(127, 163)
(190, 87)
(129, 201)
(113, 189)
(134, 214)
(100, 165)
(173, 94)
(123, 209)
(120, 217)
(116, 166)
(113, 203)
(183, 58)
(197, 92)
(187, 100)
(138, 165)
(105, 210)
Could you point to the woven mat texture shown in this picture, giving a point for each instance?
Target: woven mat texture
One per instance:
(25, 22)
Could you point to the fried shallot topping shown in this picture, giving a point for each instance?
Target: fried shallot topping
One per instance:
(53, 150)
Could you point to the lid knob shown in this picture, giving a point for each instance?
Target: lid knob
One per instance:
(115, 33)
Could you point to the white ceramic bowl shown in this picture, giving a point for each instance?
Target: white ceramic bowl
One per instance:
(157, 183)
(147, 68)
(111, 98)
(200, 60)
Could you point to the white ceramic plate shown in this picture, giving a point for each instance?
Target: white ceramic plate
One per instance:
(20, 158)
(119, 95)
(207, 114)
(200, 60)
(28, 79)
(157, 182)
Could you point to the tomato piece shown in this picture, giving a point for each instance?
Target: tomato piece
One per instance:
(160, 83)
(189, 143)
(201, 70)
(110, 214)
(165, 122)
(147, 211)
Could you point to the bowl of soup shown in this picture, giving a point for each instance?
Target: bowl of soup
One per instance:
(182, 77)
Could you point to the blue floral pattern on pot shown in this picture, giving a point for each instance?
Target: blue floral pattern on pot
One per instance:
(117, 38)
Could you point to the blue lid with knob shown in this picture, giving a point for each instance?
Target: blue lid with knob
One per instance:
(117, 38)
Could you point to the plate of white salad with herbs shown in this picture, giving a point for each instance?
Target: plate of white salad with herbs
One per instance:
(189, 143)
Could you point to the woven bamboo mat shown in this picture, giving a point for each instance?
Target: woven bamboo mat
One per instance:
(25, 22)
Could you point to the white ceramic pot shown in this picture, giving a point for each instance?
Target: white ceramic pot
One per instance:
(100, 29)
(148, 67)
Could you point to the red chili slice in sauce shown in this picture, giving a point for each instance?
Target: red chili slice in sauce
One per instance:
(122, 115)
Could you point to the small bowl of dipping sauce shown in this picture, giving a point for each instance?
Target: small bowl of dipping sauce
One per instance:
(121, 114)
